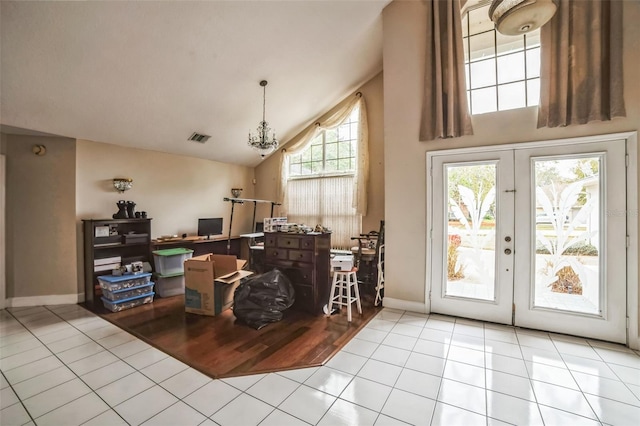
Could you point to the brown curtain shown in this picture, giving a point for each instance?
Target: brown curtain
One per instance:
(581, 64)
(444, 107)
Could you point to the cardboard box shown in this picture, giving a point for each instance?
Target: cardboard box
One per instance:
(210, 281)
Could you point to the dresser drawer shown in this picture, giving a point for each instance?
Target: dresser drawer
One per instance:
(299, 276)
(270, 240)
(275, 254)
(301, 256)
(289, 242)
(304, 299)
(306, 243)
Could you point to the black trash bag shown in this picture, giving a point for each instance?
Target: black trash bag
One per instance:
(261, 299)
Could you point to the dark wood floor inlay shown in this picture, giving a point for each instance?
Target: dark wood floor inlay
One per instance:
(220, 346)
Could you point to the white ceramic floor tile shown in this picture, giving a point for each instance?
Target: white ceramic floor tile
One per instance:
(606, 388)
(299, 375)
(244, 410)
(422, 384)
(504, 335)
(380, 325)
(366, 393)
(426, 364)
(185, 382)
(627, 359)
(343, 413)
(438, 324)
(541, 356)
(145, 358)
(469, 330)
(400, 341)
(506, 364)
(463, 396)
(464, 373)
(409, 408)
(145, 405)
(509, 384)
(11, 339)
(346, 362)
(448, 415)
(107, 374)
(177, 414)
(8, 397)
(243, 382)
(467, 356)
(391, 355)
(436, 335)
(554, 375)
(562, 398)
(93, 362)
(413, 319)
(466, 341)
(56, 397)
(306, 404)
(590, 366)
(24, 358)
(41, 330)
(68, 343)
(533, 341)
(14, 415)
(608, 345)
(127, 387)
(329, 381)
(80, 352)
(626, 374)
(406, 330)
(42, 382)
(129, 348)
(76, 412)
(360, 347)
(3, 382)
(389, 421)
(20, 347)
(555, 417)
(371, 335)
(108, 418)
(280, 418)
(102, 332)
(32, 369)
(502, 348)
(635, 389)
(614, 412)
(390, 314)
(576, 349)
(273, 388)
(512, 410)
(380, 372)
(162, 370)
(116, 339)
(212, 397)
(91, 324)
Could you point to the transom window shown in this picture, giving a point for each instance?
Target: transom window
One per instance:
(503, 72)
(331, 152)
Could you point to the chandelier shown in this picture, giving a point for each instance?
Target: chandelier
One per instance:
(263, 142)
(515, 17)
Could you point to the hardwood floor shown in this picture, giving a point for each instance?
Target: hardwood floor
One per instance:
(220, 346)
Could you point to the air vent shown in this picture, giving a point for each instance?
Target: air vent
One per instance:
(198, 137)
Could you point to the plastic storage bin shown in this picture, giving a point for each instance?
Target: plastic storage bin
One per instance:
(129, 303)
(169, 285)
(127, 293)
(171, 261)
(118, 282)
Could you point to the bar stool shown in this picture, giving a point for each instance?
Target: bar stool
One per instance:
(343, 281)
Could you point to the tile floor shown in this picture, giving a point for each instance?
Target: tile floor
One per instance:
(62, 365)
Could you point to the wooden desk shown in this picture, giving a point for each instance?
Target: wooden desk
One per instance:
(217, 245)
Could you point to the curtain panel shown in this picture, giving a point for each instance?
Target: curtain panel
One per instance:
(340, 114)
(581, 64)
(445, 113)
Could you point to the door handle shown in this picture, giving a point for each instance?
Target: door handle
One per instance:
(507, 251)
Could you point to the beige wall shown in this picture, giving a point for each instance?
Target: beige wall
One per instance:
(40, 216)
(404, 28)
(267, 173)
(174, 190)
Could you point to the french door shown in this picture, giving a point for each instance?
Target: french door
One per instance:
(533, 236)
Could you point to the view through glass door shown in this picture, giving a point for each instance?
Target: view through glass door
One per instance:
(530, 237)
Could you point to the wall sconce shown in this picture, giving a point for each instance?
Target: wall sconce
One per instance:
(39, 150)
(236, 192)
(122, 184)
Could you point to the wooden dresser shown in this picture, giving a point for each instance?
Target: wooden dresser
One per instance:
(304, 259)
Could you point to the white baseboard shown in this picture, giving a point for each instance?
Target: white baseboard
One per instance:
(405, 305)
(53, 299)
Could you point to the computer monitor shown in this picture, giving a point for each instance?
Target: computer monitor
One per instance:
(259, 226)
(209, 226)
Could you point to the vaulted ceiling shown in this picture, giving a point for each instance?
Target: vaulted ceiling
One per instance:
(147, 74)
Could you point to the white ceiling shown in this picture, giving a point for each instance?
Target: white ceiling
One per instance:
(147, 74)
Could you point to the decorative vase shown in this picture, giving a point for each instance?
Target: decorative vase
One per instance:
(131, 207)
(122, 210)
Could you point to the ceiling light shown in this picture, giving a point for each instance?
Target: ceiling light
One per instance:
(263, 142)
(516, 17)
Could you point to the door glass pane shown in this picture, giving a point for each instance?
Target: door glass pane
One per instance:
(471, 229)
(567, 213)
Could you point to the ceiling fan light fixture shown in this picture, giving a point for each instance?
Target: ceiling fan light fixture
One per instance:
(516, 17)
(263, 142)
